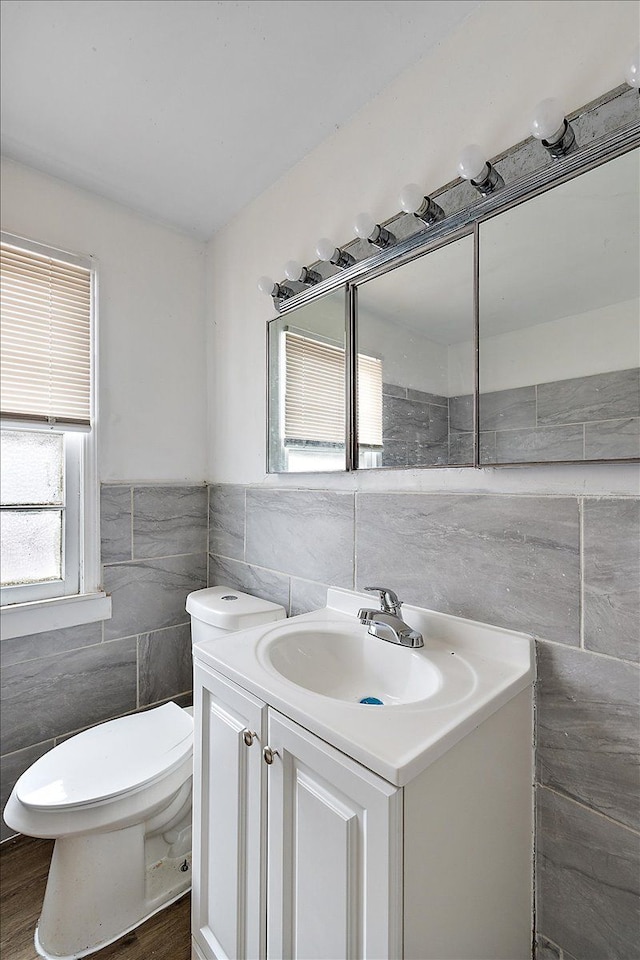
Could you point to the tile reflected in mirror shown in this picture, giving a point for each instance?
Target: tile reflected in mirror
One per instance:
(416, 361)
(559, 321)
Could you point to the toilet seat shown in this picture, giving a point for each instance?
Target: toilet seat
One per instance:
(111, 760)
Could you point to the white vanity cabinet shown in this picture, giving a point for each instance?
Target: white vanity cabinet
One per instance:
(300, 857)
(394, 832)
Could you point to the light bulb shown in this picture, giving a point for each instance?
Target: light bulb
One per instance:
(411, 198)
(364, 226)
(266, 286)
(293, 270)
(327, 250)
(548, 120)
(472, 164)
(632, 69)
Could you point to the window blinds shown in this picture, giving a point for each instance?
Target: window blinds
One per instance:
(315, 393)
(45, 339)
(369, 401)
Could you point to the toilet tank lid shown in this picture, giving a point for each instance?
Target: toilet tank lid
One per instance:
(230, 609)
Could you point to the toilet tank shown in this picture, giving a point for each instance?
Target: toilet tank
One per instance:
(216, 611)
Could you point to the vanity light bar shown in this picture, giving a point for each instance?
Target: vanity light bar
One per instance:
(549, 126)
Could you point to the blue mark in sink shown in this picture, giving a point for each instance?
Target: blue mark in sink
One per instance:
(372, 700)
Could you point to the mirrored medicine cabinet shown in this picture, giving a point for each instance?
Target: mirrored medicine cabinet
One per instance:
(511, 339)
(559, 322)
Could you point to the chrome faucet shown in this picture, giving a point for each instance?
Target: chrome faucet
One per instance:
(386, 622)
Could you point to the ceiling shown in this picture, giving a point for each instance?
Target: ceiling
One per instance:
(186, 110)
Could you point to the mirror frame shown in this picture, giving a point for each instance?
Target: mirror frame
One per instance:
(605, 129)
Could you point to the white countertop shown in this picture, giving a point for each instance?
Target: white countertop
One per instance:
(482, 667)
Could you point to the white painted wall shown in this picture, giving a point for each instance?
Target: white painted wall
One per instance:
(409, 358)
(598, 341)
(152, 372)
(479, 85)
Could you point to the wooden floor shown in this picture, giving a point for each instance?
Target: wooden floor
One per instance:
(24, 864)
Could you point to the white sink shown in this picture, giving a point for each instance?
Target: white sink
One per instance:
(318, 667)
(347, 663)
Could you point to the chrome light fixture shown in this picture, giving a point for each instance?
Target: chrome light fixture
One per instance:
(550, 126)
(276, 290)
(296, 272)
(367, 229)
(413, 200)
(474, 167)
(327, 251)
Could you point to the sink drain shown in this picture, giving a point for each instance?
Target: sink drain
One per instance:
(374, 700)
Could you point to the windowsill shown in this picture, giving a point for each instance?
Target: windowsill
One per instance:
(22, 619)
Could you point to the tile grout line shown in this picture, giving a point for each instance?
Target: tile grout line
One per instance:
(355, 525)
(131, 518)
(166, 556)
(584, 806)
(208, 532)
(581, 535)
(137, 671)
(244, 526)
(591, 653)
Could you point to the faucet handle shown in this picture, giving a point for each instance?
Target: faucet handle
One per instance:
(389, 602)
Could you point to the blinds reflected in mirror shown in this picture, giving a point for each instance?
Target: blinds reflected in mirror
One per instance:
(315, 393)
(315, 390)
(369, 401)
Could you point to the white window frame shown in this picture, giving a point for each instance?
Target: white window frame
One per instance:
(81, 600)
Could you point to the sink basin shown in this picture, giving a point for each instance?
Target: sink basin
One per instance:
(350, 665)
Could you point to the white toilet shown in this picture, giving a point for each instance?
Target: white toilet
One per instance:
(117, 800)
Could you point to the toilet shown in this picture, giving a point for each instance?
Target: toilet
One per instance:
(117, 801)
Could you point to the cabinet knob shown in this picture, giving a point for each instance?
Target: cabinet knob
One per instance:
(249, 737)
(269, 754)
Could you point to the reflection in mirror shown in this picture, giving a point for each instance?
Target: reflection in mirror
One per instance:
(416, 321)
(307, 387)
(559, 330)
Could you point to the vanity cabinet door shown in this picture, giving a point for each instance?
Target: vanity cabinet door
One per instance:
(334, 853)
(228, 803)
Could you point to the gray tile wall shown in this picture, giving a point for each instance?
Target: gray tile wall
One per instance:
(154, 552)
(566, 569)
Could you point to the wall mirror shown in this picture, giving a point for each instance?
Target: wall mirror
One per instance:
(559, 322)
(307, 387)
(506, 331)
(416, 361)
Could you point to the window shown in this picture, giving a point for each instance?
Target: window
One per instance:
(48, 487)
(314, 403)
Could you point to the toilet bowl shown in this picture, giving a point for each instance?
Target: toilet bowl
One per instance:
(117, 800)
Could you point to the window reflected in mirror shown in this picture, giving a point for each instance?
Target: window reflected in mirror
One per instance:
(416, 322)
(307, 400)
(559, 322)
